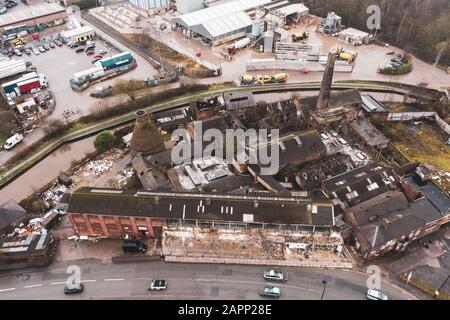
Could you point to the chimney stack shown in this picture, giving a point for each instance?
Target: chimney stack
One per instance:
(327, 80)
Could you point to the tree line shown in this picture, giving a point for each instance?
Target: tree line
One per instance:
(421, 27)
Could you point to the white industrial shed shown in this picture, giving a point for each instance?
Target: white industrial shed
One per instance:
(297, 8)
(220, 23)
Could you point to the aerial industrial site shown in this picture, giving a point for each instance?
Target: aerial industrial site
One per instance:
(224, 150)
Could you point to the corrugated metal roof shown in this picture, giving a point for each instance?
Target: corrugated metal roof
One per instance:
(201, 16)
(293, 8)
(228, 23)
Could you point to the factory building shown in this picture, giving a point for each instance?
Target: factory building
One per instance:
(186, 6)
(220, 23)
(150, 4)
(116, 213)
(32, 15)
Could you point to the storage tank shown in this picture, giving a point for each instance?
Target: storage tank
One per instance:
(256, 28)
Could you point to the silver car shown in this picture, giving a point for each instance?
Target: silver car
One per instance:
(376, 295)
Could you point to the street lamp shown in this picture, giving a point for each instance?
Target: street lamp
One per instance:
(324, 282)
(436, 293)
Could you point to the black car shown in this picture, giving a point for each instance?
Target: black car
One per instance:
(28, 64)
(46, 47)
(73, 288)
(9, 5)
(80, 49)
(134, 246)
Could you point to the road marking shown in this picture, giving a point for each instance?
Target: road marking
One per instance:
(55, 283)
(33, 286)
(143, 279)
(84, 281)
(9, 289)
(114, 279)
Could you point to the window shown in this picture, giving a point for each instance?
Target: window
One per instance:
(112, 227)
(372, 186)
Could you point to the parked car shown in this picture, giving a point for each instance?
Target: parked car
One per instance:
(158, 285)
(134, 246)
(98, 56)
(35, 51)
(17, 52)
(46, 47)
(52, 45)
(9, 5)
(28, 51)
(103, 51)
(90, 52)
(89, 48)
(376, 295)
(277, 275)
(73, 288)
(58, 42)
(333, 133)
(80, 49)
(41, 49)
(361, 156)
(73, 45)
(270, 291)
(28, 64)
(95, 60)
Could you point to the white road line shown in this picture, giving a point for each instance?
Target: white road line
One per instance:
(114, 279)
(85, 281)
(33, 286)
(55, 283)
(9, 289)
(143, 279)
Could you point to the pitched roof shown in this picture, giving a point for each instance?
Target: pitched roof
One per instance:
(10, 212)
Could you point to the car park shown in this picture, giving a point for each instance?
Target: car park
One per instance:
(95, 60)
(52, 45)
(17, 52)
(90, 52)
(73, 288)
(376, 295)
(276, 275)
(158, 285)
(270, 291)
(78, 50)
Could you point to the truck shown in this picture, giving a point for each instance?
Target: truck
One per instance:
(279, 77)
(28, 85)
(238, 45)
(115, 61)
(13, 141)
(247, 79)
(300, 36)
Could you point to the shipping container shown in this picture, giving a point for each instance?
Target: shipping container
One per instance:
(9, 87)
(116, 60)
(29, 84)
(11, 67)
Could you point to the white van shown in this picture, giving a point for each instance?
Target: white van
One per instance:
(361, 156)
(342, 141)
(13, 141)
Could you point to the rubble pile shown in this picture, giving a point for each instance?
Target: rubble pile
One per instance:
(123, 177)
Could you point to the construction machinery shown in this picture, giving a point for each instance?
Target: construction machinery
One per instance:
(247, 79)
(263, 79)
(298, 36)
(346, 55)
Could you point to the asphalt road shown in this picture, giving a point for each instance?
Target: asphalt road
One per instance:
(185, 282)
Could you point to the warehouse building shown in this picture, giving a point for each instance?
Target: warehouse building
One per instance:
(354, 36)
(116, 213)
(44, 13)
(151, 4)
(220, 23)
(81, 34)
